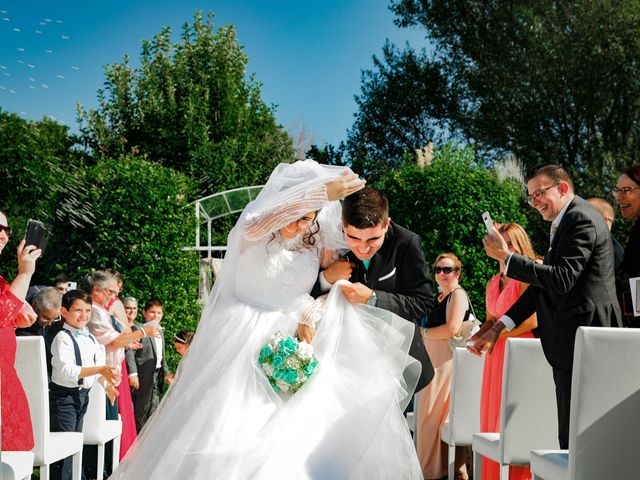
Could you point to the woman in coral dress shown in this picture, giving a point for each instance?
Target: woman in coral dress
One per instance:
(17, 432)
(502, 292)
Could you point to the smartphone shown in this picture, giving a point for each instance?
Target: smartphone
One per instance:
(72, 286)
(488, 222)
(36, 234)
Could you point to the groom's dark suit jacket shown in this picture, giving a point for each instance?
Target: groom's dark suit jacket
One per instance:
(399, 274)
(575, 286)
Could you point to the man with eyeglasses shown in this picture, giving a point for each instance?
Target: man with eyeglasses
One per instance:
(575, 286)
(46, 303)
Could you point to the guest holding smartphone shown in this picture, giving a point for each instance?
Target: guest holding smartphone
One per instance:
(17, 432)
(502, 292)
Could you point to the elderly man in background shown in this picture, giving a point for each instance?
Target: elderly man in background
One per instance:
(46, 304)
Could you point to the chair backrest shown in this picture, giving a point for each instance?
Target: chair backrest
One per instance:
(528, 416)
(604, 429)
(464, 404)
(95, 421)
(31, 367)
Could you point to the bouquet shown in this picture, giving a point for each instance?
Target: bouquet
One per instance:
(287, 362)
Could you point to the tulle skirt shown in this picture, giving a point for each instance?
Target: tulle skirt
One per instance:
(222, 419)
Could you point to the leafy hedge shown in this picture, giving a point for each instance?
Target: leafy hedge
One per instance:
(134, 216)
(444, 202)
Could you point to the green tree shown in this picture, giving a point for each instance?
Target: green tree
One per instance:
(134, 216)
(443, 203)
(401, 108)
(547, 81)
(191, 107)
(35, 161)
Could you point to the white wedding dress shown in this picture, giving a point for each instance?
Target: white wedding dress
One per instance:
(222, 419)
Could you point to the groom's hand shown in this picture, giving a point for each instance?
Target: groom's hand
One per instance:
(356, 292)
(339, 270)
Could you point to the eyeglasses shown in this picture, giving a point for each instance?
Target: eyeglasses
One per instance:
(5, 229)
(624, 191)
(112, 291)
(538, 193)
(130, 308)
(48, 321)
(445, 270)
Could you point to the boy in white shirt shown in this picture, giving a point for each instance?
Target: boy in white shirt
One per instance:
(77, 361)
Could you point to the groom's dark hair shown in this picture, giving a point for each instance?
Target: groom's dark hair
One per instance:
(365, 209)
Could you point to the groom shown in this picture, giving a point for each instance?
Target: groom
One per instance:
(385, 265)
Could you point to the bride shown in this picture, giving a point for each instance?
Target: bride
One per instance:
(222, 419)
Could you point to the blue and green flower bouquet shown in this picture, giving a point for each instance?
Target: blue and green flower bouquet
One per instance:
(287, 362)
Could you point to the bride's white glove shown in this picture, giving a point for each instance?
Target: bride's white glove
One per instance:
(310, 316)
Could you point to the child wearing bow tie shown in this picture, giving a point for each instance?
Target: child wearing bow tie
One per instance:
(77, 361)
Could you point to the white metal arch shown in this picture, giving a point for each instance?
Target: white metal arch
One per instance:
(220, 205)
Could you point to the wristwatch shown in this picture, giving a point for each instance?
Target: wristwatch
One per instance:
(373, 299)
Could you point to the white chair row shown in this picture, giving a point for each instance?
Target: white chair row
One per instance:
(528, 417)
(16, 465)
(604, 423)
(464, 404)
(50, 446)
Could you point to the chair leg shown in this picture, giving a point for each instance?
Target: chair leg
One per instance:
(504, 472)
(44, 472)
(100, 467)
(116, 452)
(452, 462)
(76, 469)
(415, 420)
(477, 466)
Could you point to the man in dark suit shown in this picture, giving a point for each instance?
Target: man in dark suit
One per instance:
(147, 367)
(386, 267)
(575, 286)
(46, 303)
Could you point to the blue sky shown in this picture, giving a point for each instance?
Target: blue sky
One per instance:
(308, 54)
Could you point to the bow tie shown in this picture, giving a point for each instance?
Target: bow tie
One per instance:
(79, 333)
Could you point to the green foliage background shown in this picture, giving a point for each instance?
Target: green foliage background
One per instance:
(444, 202)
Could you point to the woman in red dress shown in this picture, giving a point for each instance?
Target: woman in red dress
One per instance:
(17, 432)
(502, 292)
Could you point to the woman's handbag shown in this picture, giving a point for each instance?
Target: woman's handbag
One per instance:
(467, 329)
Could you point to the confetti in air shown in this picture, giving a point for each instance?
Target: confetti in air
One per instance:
(34, 44)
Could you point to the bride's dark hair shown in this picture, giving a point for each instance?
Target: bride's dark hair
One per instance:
(314, 228)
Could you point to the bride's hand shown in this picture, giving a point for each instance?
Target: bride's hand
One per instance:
(305, 333)
(345, 185)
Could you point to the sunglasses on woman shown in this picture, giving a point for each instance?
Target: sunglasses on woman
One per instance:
(445, 270)
(5, 229)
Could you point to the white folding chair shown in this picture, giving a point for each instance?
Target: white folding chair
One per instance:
(528, 417)
(16, 465)
(98, 431)
(604, 425)
(49, 446)
(464, 403)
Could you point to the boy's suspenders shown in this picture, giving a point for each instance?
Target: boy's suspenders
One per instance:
(76, 350)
